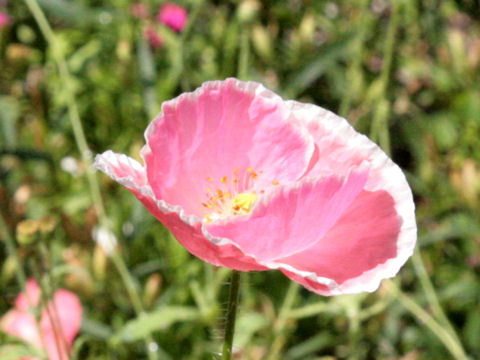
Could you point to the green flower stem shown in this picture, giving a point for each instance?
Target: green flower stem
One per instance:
(379, 129)
(231, 315)
(73, 112)
(244, 55)
(192, 18)
(85, 152)
(357, 57)
(279, 325)
(131, 288)
(148, 77)
(128, 281)
(443, 334)
(389, 45)
(380, 132)
(185, 84)
(431, 296)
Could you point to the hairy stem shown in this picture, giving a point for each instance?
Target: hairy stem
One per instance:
(231, 315)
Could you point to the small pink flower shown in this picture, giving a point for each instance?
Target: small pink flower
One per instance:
(21, 322)
(173, 16)
(246, 180)
(153, 37)
(4, 19)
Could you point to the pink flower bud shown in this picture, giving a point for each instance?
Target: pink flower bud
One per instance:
(173, 16)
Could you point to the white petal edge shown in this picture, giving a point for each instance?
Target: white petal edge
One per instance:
(104, 163)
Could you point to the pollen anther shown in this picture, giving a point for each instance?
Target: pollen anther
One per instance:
(231, 196)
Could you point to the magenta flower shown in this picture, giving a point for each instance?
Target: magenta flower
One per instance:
(4, 19)
(21, 322)
(173, 16)
(246, 180)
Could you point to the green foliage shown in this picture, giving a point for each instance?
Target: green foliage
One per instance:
(413, 84)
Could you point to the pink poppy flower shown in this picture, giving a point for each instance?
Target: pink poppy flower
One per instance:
(4, 19)
(246, 180)
(57, 337)
(173, 16)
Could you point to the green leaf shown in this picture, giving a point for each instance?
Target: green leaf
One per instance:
(247, 326)
(74, 13)
(95, 328)
(84, 54)
(318, 66)
(160, 319)
(310, 346)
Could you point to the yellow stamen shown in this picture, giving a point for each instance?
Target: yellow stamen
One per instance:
(243, 202)
(235, 195)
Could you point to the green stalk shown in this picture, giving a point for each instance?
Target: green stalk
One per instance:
(279, 325)
(148, 77)
(231, 315)
(380, 132)
(128, 282)
(438, 329)
(244, 55)
(73, 112)
(431, 296)
(357, 57)
(85, 152)
(379, 129)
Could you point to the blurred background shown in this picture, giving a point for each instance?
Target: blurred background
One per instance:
(91, 74)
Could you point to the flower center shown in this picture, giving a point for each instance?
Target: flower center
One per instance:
(233, 195)
(242, 203)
